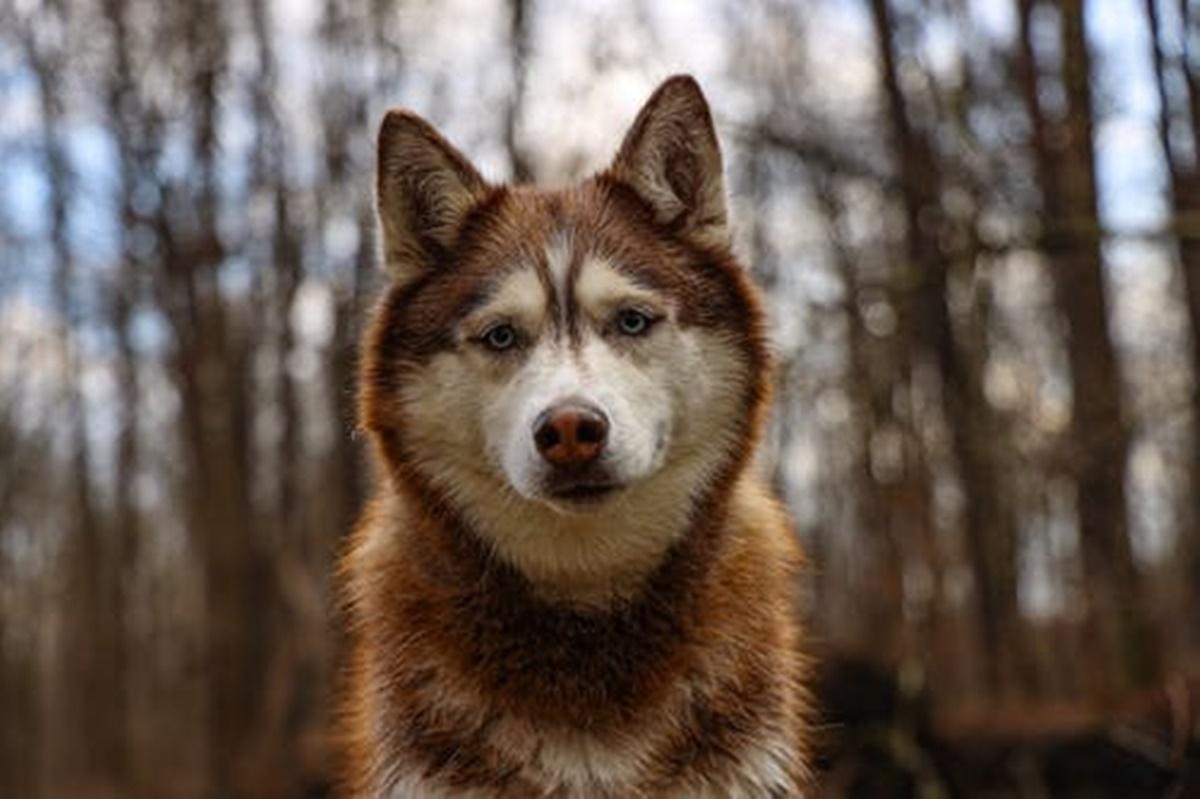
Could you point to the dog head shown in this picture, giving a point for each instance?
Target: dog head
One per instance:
(570, 370)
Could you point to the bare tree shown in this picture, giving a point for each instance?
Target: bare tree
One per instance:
(1063, 150)
(520, 41)
(1182, 109)
(989, 534)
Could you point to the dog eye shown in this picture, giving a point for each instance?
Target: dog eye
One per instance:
(499, 337)
(632, 322)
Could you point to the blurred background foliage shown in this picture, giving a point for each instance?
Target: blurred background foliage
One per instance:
(978, 224)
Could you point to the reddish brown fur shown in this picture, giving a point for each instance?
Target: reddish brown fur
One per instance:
(464, 666)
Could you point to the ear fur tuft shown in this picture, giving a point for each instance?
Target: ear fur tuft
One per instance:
(671, 158)
(425, 189)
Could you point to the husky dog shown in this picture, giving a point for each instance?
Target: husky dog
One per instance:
(569, 583)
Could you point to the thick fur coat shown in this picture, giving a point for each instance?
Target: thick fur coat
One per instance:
(539, 608)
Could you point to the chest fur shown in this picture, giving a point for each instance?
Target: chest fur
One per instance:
(469, 685)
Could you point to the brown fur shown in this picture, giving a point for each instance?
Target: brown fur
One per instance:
(462, 675)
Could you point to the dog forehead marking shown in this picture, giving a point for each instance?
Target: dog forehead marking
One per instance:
(560, 252)
(587, 283)
(519, 295)
(600, 287)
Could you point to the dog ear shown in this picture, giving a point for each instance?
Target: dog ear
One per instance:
(424, 190)
(671, 158)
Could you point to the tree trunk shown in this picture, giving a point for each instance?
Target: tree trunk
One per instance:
(121, 94)
(519, 42)
(97, 631)
(211, 367)
(1063, 151)
(1184, 189)
(989, 531)
(871, 376)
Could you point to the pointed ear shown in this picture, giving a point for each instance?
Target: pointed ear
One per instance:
(671, 158)
(424, 191)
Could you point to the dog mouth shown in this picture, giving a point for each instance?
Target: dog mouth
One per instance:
(583, 493)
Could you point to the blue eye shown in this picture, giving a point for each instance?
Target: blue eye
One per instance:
(500, 337)
(632, 322)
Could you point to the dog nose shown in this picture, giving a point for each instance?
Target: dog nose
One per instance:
(570, 433)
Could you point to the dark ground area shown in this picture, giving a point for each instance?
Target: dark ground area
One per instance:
(878, 742)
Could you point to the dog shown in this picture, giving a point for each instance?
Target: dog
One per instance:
(569, 582)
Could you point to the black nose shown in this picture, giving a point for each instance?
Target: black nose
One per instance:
(570, 433)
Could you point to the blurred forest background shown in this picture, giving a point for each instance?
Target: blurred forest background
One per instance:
(978, 222)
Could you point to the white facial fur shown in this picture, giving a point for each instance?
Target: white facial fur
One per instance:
(625, 379)
(637, 405)
(672, 398)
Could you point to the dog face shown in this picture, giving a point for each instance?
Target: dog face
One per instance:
(569, 369)
(579, 400)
